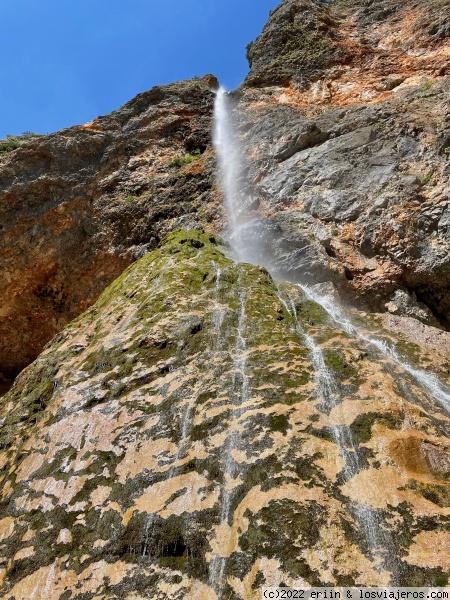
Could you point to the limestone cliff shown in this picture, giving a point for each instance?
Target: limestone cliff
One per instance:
(80, 205)
(345, 115)
(345, 119)
(196, 429)
(173, 442)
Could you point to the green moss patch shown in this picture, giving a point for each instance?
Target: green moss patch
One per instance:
(282, 530)
(361, 427)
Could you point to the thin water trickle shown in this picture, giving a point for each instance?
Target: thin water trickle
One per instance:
(49, 581)
(239, 395)
(218, 311)
(148, 529)
(428, 382)
(378, 540)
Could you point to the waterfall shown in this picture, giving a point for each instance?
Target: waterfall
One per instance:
(226, 146)
(228, 153)
(239, 395)
(379, 541)
(243, 231)
(428, 382)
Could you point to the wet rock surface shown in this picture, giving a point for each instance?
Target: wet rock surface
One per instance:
(180, 437)
(177, 426)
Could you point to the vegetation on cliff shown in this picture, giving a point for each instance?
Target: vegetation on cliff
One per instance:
(179, 420)
(195, 428)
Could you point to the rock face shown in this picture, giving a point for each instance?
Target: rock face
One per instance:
(369, 197)
(339, 45)
(294, 45)
(80, 205)
(345, 119)
(345, 122)
(175, 441)
(198, 429)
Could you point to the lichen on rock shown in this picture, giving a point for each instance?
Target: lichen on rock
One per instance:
(194, 428)
(160, 441)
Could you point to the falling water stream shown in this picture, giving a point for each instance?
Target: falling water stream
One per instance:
(378, 540)
(229, 155)
(230, 163)
(327, 390)
(239, 395)
(428, 382)
(218, 313)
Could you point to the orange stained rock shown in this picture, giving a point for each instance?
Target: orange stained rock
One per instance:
(430, 549)
(378, 487)
(156, 498)
(419, 456)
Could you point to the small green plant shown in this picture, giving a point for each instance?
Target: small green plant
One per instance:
(29, 135)
(334, 232)
(426, 86)
(12, 142)
(427, 179)
(176, 161)
(182, 161)
(446, 151)
(9, 144)
(144, 197)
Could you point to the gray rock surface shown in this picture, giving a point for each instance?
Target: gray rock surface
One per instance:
(371, 187)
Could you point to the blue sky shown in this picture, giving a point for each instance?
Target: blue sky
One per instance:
(65, 62)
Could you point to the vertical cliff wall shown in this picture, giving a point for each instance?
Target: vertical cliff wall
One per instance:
(344, 117)
(197, 429)
(80, 205)
(174, 441)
